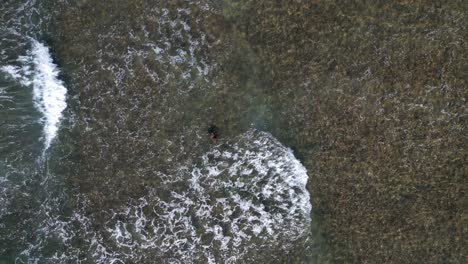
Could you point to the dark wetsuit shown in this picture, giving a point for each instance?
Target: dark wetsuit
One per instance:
(213, 132)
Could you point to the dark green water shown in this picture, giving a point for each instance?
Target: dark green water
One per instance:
(105, 156)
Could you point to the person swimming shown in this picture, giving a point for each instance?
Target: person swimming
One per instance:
(213, 132)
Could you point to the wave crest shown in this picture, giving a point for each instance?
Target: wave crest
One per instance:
(49, 93)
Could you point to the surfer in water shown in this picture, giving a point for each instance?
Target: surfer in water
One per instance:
(213, 132)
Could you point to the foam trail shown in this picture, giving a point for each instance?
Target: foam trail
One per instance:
(49, 91)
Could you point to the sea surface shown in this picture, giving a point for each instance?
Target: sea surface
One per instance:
(104, 151)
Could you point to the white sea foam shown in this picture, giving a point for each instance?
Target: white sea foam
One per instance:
(5, 200)
(173, 59)
(12, 71)
(49, 93)
(241, 196)
(253, 188)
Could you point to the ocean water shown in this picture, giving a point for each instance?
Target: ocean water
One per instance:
(38, 71)
(104, 155)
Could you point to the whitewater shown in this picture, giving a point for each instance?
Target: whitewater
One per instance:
(123, 171)
(49, 93)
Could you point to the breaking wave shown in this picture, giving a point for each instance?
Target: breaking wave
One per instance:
(238, 198)
(49, 93)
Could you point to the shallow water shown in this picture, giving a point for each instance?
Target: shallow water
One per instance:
(105, 154)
